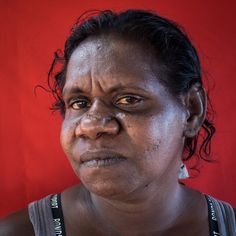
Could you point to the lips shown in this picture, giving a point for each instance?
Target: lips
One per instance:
(100, 158)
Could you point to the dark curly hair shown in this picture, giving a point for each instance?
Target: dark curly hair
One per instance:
(167, 41)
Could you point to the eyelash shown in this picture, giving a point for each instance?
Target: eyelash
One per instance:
(134, 100)
(82, 103)
(85, 103)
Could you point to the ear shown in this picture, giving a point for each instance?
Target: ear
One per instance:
(195, 102)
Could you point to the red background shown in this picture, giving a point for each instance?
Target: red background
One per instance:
(32, 162)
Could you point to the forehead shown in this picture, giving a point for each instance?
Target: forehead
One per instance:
(111, 61)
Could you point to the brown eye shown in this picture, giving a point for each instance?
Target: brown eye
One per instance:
(128, 100)
(80, 104)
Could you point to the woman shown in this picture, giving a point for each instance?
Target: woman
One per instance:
(133, 102)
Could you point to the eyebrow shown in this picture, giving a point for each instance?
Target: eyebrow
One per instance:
(71, 90)
(118, 87)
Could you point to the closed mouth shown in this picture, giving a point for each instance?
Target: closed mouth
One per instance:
(101, 159)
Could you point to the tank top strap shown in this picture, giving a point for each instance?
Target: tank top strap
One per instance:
(40, 215)
(57, 214)
(225, 217)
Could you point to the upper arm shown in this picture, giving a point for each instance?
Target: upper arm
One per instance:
(17, 224)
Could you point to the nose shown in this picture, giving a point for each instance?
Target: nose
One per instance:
(97, 122)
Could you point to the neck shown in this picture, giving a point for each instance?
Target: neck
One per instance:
(152, 207)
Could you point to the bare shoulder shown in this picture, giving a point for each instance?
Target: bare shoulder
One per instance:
(78, 210)
(16, 224)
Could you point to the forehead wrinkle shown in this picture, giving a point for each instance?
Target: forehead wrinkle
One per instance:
(105, 73)
(92, 63)
(89, 62)
(101, 68)
(78, 70)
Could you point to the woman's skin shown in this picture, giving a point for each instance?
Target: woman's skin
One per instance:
(123, 133)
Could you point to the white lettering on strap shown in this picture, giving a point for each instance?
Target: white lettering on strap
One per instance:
(57, 226)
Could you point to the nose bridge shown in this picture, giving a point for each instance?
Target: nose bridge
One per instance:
(99, 109)
(97, 121)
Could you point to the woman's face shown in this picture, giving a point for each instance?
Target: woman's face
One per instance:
(123, 130)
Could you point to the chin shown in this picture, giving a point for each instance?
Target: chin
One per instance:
(106, 190)
(112, 185)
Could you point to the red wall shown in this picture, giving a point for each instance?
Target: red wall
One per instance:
(32, 162)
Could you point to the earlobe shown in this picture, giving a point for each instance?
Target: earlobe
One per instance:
(195, 103)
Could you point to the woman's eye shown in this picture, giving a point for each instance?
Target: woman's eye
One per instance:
(80, 104)
(128, 100)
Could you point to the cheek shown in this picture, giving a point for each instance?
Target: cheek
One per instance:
(168, 130)
(67, 135)
(143, 130)
(157, 134)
